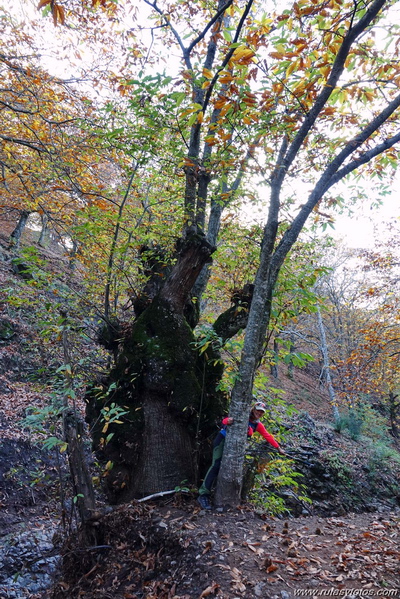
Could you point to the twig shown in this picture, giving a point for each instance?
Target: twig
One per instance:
(160, 494)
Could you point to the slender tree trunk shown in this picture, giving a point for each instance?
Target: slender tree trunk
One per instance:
(72, 255)
(74, 436)
(15, 236)
(231, 473)
(80, 474)
(394, 409)
(274, 361)
(114, 242)
(326, 366)
(44, 219)
(291, 349)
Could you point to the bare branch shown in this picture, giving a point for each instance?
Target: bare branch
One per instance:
(23, 142)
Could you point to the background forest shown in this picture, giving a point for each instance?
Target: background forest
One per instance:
(170, 174)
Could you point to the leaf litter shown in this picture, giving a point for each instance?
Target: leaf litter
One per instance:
(211, 554)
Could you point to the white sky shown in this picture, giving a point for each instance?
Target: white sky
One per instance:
(368, 224)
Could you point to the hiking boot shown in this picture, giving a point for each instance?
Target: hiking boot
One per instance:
(204, 501)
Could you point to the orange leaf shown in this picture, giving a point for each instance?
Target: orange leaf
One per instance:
(210, 589)
(272, 568)
(61, 13)
(276, 54)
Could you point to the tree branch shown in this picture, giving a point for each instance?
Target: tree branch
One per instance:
(228, 56)
(23, 142)
(328, 178)
(337, 69)
(219, 13)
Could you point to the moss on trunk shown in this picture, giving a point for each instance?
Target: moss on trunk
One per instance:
(165, 390)
(168, 392)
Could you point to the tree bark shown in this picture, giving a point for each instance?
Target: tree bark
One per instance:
(274, 252)
(166, 388)
(80, 475)
(73, 436)
(326, 366)
(230, 322)
(194, 252)
(15, 236)
(167, 457)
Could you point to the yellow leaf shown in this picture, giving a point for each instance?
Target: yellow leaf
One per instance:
(225, 108)
(293, 65)
(299, 89)
(225, 77)
(56, 13)
(226, 136)
(200, 116)
(61, 14)
(242, 53)
(105, 427)
(325, 71)
(207, 73)
(277, 87)
(276, 54)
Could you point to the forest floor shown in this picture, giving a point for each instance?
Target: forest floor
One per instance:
(169, 548)
(348, 544)
(175, 550)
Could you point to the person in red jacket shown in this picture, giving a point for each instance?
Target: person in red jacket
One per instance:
(255, 426)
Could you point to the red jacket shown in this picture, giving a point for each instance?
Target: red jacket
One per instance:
(257, 427)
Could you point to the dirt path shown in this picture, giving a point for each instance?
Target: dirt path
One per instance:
(172, 552)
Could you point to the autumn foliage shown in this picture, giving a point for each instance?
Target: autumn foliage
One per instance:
(252, 104)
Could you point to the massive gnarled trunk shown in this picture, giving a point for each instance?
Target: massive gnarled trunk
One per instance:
(163, 384)
(166, 387)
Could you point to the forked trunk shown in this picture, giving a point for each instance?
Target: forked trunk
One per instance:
(162, 384)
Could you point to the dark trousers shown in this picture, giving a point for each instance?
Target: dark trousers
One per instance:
(213, 470)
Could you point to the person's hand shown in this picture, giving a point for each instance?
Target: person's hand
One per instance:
(229, 420)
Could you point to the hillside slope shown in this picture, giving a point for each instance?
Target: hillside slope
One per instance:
(347, 538)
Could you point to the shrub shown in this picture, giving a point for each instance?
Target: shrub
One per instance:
(336, 464)
(362, 419)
